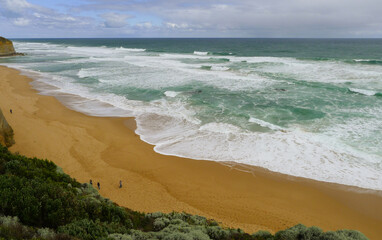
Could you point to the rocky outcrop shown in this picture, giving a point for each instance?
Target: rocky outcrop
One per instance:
(6, 132)
(6, 47)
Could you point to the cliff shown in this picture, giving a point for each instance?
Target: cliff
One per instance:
(6, 132)
(6, 47)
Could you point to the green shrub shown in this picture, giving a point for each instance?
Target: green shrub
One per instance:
(155, 215)
(352, 234)
(262, 235)
(117, 236)
(301, 232)
(343, 235)
(46, 233)
(35, 202)
(161, 223)
(177, 236)
(84, 229)
(292, 233)
(11, 228)
(198, 220)
(217, 233)
(199, 235)
(8, 221)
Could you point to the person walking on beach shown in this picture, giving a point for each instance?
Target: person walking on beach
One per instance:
(98, 185)
(91, 182)
(120, 183)
(10, 110)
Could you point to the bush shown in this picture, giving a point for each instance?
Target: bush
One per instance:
(262, 235)
(35, 202)
(11, 228)
(343, 235)
(302, 232)
(215, 232)
(160, 223)
(199, 235)
(198, 220)
(117, 236)
(46, 233)
(84, 229)
(177, 236)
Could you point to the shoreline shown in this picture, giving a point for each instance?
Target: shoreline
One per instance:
(105, 149)
(71, 101)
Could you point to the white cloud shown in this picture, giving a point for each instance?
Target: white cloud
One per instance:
(145, 25)
(22, 13)
(15, 7)
(114, 20)
(176, 26)
(21, 22)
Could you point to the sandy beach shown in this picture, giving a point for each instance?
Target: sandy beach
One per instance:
(107, 150)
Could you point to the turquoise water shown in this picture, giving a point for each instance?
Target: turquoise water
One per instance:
(304, 107)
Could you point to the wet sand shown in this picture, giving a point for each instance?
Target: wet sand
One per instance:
(107, 150)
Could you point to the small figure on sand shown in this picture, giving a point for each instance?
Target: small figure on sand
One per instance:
(120, 183)
(98, 185)
(91, 182)
(10, 110)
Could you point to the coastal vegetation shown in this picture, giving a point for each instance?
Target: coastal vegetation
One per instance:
(39, 201)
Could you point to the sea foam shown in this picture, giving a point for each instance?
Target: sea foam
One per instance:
(363, 91)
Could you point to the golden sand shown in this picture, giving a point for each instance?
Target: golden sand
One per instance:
(107, 150)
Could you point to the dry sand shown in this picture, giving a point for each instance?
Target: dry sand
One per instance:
(106, 150)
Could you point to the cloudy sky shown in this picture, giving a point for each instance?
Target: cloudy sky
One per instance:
(190, 18)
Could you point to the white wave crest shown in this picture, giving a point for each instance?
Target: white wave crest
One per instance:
(131, 49)
(171, 93)
(219, 68)
(264, 123)
(363, 91)
(200, 53)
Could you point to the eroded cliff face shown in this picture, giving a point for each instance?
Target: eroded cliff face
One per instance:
(6, 132)
(6, 47)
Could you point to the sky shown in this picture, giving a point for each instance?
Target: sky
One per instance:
(191, 18)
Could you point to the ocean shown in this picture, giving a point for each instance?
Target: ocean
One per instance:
(305, 107)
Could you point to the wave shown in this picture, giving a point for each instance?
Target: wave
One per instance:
(264, 124)
(131, 49)
(220, 59)
(214, 68)
(171, 93)
(204, 67)
(219, 68)
(223, 53)
(368, 61)
(84, 73)
(323, 59)
(365, 92)
(295, 152)
(200, 53)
